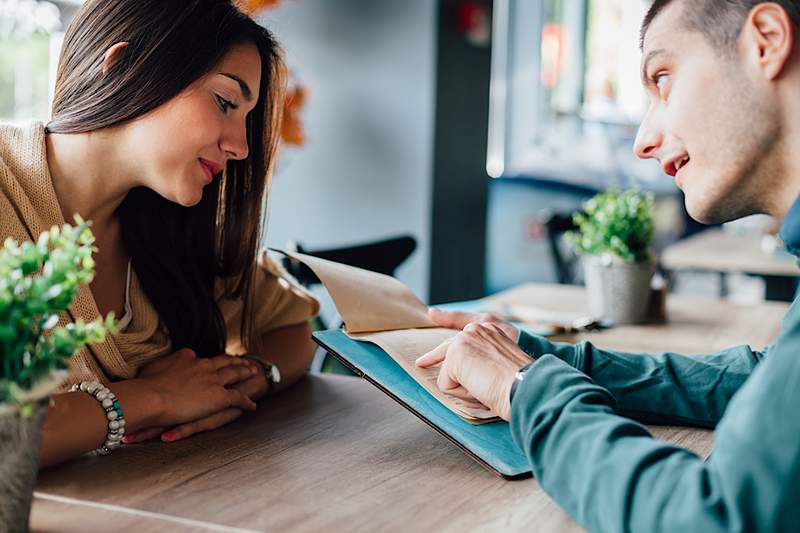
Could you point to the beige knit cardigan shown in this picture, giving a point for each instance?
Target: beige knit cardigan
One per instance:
(28, 206)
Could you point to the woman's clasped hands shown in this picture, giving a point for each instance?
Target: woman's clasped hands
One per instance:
(194, 394)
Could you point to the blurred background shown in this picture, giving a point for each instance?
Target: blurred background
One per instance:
(474, 127)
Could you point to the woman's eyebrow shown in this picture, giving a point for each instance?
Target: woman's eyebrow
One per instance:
(248, 95)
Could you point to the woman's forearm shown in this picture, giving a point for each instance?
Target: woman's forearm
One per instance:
(76, 423)
(289, 348)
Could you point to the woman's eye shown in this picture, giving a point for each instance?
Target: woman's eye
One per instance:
(224, 104)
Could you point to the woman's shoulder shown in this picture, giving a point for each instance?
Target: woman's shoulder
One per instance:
(23, 170)
(21, 146)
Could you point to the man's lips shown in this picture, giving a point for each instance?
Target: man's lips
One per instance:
(674, 164)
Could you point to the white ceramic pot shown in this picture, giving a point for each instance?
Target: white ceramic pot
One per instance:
(618, 292)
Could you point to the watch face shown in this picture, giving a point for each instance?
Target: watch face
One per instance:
(275, 374)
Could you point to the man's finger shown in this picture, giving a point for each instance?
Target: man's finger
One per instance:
(476, 405)
(204, 424)
(451, 319)
(462, 393)
(435, 356)
(445, 381)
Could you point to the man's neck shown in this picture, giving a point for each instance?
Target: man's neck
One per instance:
(88, 176)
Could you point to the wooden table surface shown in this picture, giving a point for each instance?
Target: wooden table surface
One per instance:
(725, 251)
(335, 454)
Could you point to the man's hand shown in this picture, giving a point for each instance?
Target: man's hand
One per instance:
(479, 363)
(459, 320)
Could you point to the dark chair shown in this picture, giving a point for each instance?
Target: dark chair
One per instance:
(382, 256)
(565, 261)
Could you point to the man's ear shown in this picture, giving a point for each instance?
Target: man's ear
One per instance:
(769, 32)
(112, 56)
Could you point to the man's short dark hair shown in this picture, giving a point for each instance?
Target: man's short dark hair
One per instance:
(720, 21)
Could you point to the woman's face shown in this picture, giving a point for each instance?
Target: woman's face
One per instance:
(183, 145)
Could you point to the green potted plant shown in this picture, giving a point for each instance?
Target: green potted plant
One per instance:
(38, 282)
(615, 234)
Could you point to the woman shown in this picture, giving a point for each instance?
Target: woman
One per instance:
(164, 128)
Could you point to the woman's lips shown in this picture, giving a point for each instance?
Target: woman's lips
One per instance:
(208, 169)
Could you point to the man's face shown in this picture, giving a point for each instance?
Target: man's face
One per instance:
(707, 123)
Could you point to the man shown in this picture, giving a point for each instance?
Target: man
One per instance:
(724, 82)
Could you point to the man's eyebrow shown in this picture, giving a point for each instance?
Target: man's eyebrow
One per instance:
(650, 56)
(248, 95)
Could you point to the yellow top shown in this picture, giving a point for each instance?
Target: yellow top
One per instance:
(28, 206)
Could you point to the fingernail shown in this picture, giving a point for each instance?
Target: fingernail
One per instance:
(168, 435)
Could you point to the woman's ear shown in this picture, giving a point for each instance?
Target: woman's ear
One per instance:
(112, 56)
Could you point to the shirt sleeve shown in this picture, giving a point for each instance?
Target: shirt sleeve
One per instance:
(278, 301)
(607, 471)
(664, 388)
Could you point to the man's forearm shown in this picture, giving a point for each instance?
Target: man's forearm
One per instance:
(611, 475)
(659, 388)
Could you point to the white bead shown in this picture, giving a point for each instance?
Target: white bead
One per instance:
(92, 387)
(114, 437)
(84, 386)
(114, 424)
(102, 395)
(107, 402)
(121, 422)
(112, 415)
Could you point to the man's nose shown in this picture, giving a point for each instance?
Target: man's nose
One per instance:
(648, 140)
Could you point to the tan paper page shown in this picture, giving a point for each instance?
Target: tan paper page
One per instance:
(367, 301)
(380, 309)
(405, 346)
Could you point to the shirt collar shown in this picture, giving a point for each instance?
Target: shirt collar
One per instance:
(790, 230)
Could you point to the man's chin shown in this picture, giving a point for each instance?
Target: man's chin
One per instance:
(711, 211)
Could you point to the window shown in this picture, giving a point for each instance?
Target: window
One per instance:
(30, 39)
(566, 98)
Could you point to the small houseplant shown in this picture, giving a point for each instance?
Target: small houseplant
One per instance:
(615, 234)
(38, 282)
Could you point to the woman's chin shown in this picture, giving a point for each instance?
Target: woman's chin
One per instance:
(188, 198)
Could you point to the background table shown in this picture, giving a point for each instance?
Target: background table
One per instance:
(333, 453)
(724, 252)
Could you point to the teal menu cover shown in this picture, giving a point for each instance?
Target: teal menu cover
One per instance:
(489, 444)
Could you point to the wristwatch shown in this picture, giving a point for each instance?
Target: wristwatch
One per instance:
(271, 372)
(518, 377)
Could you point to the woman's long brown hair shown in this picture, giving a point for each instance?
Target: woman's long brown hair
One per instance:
(178, 253)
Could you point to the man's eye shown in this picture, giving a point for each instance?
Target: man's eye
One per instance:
(660, 81)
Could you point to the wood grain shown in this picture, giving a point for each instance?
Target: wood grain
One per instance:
(333, 453)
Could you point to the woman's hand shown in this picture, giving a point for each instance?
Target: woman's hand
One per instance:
(481, 363)
(199, 394)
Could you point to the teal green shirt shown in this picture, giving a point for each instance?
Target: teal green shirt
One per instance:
(577, 415)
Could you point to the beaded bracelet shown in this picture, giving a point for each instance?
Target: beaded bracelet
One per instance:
(116, 420)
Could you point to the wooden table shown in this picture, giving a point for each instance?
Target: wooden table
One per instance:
(716, 250)
(335, 454)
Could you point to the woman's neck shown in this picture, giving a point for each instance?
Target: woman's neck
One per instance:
(88, 176)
